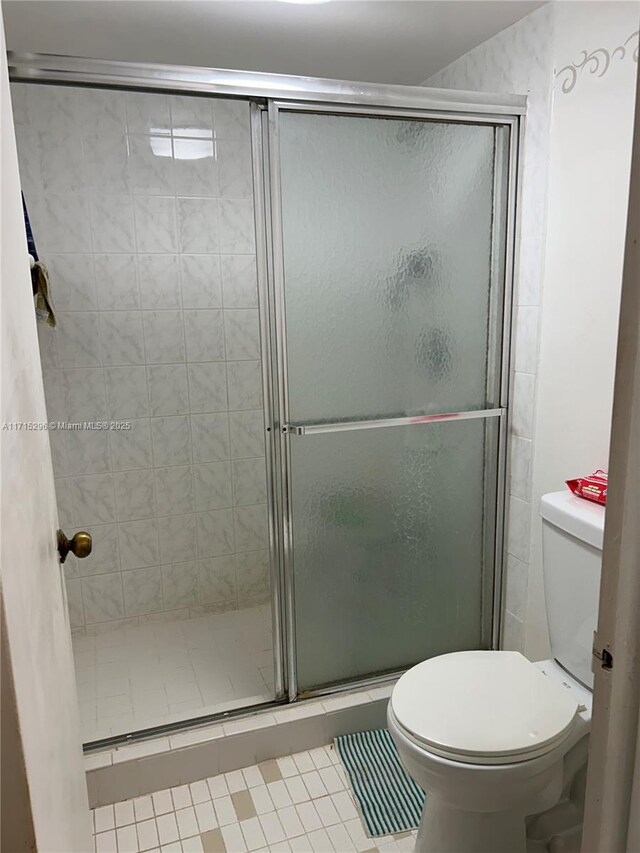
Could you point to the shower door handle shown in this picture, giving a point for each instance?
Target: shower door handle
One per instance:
(412, 420)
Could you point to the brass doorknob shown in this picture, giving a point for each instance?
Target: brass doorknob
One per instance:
(79, 544)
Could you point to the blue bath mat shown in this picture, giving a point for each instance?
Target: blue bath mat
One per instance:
(389, 799)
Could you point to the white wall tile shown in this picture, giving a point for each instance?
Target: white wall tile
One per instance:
(94, 499)
(196, 169)
(208, 387)
(135, 495)
(63, 221)
(236, 226)
(142, 591)
(147, 113)
(520, 467)
(151, 169)
(531, 258)
(242, 334)
(210, 437)
(244, 379)
(159, 277)
(247, 434)
(239, 281)
(519, 529)
(87, 451)
(131, 448)
(204, 333)
(175, 493)
(201, 281)
(156, 224)
(171, 438)
(198, 225)
(77, 339)
(249, 481)
(139, 543)
(127, 392)
(100, 111)
(513, 633)
(191, 116)
(251, 531)
(217, 579)
(107, 166)
(117, 282)
(121, 337)
(168, 393)
(516, 587)
(102, 597)
(73, 282)
(231, 119)
(180, 584)
(215, 533)
(235, 171)
(74, 600)
(213, 485)
(123, 192)
(252, 573)
(526, 360)
(85, 395)
(163, 337)
(523, 404)
(178, 538)
(112, 223)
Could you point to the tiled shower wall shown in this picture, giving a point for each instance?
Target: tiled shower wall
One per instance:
(141, 207)
(520, 60)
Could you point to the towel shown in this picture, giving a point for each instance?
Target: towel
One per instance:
(42, 291)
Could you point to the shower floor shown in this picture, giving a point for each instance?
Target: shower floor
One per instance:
(138, 676)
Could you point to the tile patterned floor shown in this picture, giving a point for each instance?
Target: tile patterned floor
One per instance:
(300, 803)
(145, 675)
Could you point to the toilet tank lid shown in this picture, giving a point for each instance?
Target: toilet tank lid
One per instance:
(577, 516)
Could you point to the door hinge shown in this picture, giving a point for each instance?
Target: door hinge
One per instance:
(601, 654)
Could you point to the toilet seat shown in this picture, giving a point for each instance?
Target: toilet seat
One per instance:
(483, 707)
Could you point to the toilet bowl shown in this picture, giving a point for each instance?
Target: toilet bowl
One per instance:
(485, 734)
(492, 738)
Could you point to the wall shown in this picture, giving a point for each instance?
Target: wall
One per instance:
(36, 639)
(141, 206)
(16, 821)
(590, 156)
(519, 60)
(577, 143)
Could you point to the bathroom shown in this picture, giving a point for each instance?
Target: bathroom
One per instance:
(314, 383)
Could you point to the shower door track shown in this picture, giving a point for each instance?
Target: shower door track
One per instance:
(267, 93)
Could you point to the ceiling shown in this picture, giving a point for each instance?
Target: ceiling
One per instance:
(381, 41)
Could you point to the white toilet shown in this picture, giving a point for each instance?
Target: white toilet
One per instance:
(493, 738)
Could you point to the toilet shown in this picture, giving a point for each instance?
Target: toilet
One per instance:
(494, 739)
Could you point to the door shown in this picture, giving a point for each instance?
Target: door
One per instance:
(43, 720)
(390, 236)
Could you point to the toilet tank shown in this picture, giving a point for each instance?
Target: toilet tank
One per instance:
(572, 534)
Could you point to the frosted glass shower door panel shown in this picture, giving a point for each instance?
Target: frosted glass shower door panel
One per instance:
(387, 231)
(387, 547)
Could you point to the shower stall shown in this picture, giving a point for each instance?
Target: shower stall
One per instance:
(287, 302)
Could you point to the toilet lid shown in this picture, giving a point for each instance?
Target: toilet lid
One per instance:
(483, 707)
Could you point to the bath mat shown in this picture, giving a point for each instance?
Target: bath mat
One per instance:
(389, 799)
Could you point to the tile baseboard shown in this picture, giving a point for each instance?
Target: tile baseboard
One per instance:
(125, 772)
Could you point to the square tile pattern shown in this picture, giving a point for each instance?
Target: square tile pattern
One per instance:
(142, 208)
(300, 803)
(138, 676)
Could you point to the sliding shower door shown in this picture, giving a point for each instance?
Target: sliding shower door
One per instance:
(389, 260)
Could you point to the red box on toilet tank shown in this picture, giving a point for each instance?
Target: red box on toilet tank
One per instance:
(592, 488)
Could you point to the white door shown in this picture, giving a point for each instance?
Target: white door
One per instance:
(38, 637)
